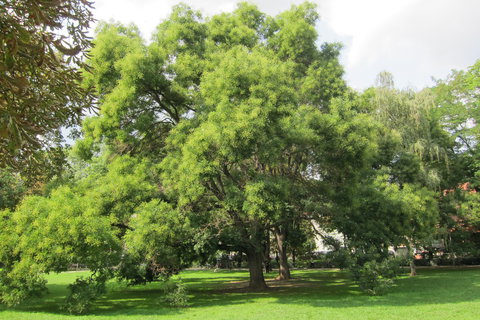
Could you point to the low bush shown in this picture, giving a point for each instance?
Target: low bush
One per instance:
(376, 277)
(83, 292)
(176, 294)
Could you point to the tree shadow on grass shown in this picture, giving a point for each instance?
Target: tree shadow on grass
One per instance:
(127, 301)
(430, 286)
(318, 288)
(336, 290)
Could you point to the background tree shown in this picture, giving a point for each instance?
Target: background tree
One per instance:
(414, 154)
(458, 106)
(457, 98)
(415, 145)
(12, 189)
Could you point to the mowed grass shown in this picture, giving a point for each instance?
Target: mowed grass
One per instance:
(443, 293)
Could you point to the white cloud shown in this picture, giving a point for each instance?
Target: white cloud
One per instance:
(146, 14)
(413, 39)
(360, 20)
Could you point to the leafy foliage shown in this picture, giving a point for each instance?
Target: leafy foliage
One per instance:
(414, 144)
(383, 213)
(47, 234)
(42, 45)
(12, 189)
(458, 99)
(156, 243)
(87, 223)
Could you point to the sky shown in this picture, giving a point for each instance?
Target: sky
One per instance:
(415, 40)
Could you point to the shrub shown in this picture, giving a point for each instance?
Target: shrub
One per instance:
(176, 294)
(16, 290)
(340, 258)
(83, 292)
(375, 277)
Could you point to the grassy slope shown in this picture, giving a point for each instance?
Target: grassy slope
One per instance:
(315, 294)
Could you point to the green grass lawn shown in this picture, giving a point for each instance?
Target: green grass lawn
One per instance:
(443, 293)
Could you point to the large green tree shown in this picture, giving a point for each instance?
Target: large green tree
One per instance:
(145, 91)
(258, 152)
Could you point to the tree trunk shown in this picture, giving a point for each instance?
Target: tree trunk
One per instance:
(413, 268)
(283, 269)
(255, 259)
(268, 265)
(294, 258)
(239, 258)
